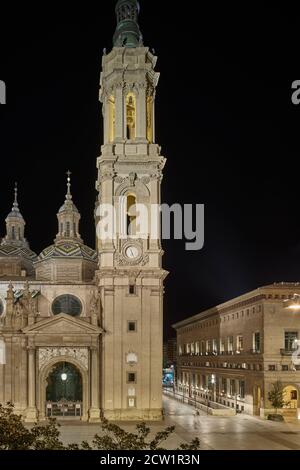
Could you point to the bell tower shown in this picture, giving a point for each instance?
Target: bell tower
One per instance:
(130, 275)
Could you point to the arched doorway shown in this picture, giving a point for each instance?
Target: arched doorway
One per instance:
(64, 391)
(290, 396)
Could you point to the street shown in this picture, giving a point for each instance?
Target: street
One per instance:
(240, 432)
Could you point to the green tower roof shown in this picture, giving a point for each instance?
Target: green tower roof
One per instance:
(127, 33)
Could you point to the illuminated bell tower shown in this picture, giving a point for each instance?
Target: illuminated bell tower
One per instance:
(130, 275)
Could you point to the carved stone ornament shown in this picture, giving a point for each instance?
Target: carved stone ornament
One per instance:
(80, 354)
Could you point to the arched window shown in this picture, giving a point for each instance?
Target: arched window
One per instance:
(130, 116)
(131, 214)
(13, 232)
(112, 118)
(68, 304)
(68, 229)
(150, 119)
(19, 233)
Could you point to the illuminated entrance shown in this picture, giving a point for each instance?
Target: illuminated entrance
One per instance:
(64, 391)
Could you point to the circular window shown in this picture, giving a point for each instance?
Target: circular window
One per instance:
(68, 304)
(1, 307)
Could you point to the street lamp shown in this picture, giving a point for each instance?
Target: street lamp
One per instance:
(293, 303)
(213, 382)
(236, 396)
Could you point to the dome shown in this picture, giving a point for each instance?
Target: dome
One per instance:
(133, 3)
(9, 251)
(68, 249)
(68, 206)
(15, 214)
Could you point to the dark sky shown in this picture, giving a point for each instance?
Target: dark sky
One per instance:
(224, 119)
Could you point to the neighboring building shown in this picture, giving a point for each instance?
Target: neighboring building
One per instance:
(170, 352)
(81, 328)
(233, 353)
(165, 354)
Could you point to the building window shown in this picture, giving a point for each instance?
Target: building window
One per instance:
(232, 387)
(272, 367)
(150, 119)
(230, 343)
(222, 346)
(2, 352)
(112, 118)
(130, 116)
(294, 395)
(197, 349)
(214, 346)
(256, 342)
(285, 368)
(131, 402)
(13, 234)
(242, 388)
(1, 307)
(68, 304)
(290, 340)
(131, 214)
(131, 377)
(202, 347)
(68, 229)
(131, 326)
(239, 343)
(132, 290)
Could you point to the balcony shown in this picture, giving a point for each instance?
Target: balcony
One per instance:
(255, 351)
(287, 352)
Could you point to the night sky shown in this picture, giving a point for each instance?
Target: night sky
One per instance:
(224, 119)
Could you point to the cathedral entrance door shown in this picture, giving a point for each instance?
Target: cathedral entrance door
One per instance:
(64, 391)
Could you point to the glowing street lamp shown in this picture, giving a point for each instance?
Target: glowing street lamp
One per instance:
(293, 303)
(64, 377)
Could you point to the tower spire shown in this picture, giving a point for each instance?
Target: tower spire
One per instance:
(15, 204)
(68, 217)
(127, 33)
(15, 224)
(68, 195)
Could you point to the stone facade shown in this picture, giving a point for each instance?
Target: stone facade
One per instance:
(233, 353)
(98, 311)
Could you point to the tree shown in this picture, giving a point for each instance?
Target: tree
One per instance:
(276, 396)
(15, 436)
(115, 438)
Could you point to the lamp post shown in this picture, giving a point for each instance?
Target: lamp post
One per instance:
(213, 382)
(236, 396)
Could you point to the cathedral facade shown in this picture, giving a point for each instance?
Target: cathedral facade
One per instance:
(80, 327)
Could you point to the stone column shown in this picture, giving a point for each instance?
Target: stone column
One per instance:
(94, 412)
(31, 412)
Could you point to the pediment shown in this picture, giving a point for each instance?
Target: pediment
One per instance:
(62, 324)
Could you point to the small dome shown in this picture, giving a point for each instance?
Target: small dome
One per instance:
(9, 251)
(68, 249)
(68, 206)
(15, 213)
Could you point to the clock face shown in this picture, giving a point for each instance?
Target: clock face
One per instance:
(132, 252)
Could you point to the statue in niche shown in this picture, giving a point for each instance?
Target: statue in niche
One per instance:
(95, 309)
